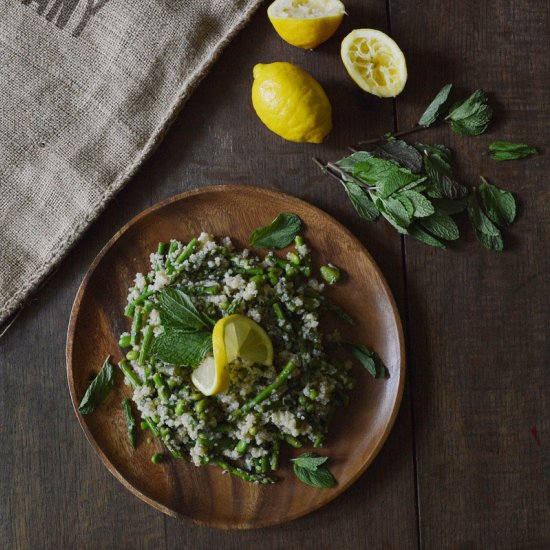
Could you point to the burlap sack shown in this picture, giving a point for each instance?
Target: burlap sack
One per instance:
(87, 88)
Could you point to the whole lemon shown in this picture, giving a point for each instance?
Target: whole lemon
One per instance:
(291, 103)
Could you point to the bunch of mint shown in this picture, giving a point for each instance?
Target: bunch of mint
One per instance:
(412, 185)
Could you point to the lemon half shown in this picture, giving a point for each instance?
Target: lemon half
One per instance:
(291, 103)
(306, 23)
(375, 62)
(233, 337)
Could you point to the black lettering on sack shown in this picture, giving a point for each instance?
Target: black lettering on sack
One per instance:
(61, 11)
(92, 8)
(42, 5)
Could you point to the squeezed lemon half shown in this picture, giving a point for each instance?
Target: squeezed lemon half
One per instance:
(291, 103)
(375, 62)
(233, 337)
(306, 23)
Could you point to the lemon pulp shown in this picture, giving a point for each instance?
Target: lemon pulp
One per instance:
(306, 23)
(375, 62)
(234, 337)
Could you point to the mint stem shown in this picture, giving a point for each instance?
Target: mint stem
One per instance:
(337, 173)
(417, 128)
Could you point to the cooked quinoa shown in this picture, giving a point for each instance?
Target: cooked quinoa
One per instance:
(287, 301)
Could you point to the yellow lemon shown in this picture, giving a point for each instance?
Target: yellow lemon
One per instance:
(211, 376)
(235, 336)
(375, 62)
(306, 23)
(291, 103)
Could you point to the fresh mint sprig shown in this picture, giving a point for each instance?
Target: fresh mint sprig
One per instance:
(472, 116)
(437, 107)
(177, 311)
(179, 347)
(279, 233)
(369, 359)
(506, 150)
(185, 338)
(310, 468)
(421, 204)
(99, 389)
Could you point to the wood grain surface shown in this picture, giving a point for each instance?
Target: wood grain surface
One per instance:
(207, 495)
(469, 471)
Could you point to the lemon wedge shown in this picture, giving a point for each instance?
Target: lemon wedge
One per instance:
(233, 337)
(306, 23)
(211, 377)
(291, 103)
(375, 62)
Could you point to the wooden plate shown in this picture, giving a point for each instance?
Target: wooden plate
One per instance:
(204, 494)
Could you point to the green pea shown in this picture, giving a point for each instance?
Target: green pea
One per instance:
(293, 258)
(157, 458)
(124, 341)
(132, 355)
(330, 273)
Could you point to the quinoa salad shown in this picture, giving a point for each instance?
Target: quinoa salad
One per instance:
(290, 399)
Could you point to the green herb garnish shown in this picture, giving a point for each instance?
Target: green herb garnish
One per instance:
(179, 347)
(488, 208)
(177, 311)
(278, 234)
(505, 150)
(498, 204)
(99, 389)
(472, 116)
(437, 107)
(130, 421)
(310, 468)
(368, 359)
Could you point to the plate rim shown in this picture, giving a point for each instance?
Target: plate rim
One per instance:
(70, 342)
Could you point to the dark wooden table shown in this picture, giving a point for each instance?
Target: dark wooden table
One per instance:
(468, 463)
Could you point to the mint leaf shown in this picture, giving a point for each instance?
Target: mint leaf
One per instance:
(423, 236)
(487, 233)
(402, 153)
(406, 203)
(506, 150)
(361, 200)
(422, 206)
(309, 461)
(177, 311)
(437, 107)
(491, 242)
(181, 348)
(130, 421)
(385, 175)
(278, 234)
(442, 226)
(449, 206)
(440, 150)
(443, 185)
(472, 116)
(310, 469)
(400, 225)
(99, 389)
(368, 358)
(398, 211)
(499, 205)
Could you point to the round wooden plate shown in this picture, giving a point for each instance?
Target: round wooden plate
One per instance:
(205, 494)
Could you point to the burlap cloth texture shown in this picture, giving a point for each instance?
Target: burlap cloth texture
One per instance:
(87, 89)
